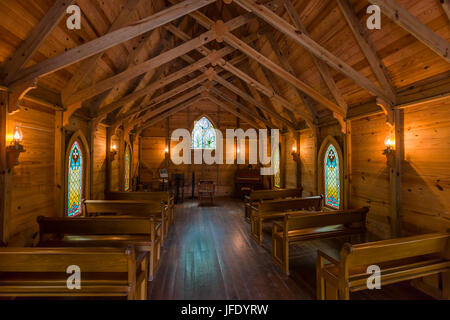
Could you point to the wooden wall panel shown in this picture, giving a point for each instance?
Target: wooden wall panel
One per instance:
(99, 163)
(154, 143)
(426, 169)
(32, 180)
(114, 169)
(370, 183)
(307, 157)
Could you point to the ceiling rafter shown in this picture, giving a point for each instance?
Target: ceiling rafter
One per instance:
(36, 37)
(305, 41)
(88, 65)
(107, 41)
(368, 49)
(414, 26)
(148, 65)
(320, 65)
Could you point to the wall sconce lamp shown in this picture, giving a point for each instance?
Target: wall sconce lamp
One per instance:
(15, 149)
(166, 150)
(113, 152)
(295, 154)
(389, 152)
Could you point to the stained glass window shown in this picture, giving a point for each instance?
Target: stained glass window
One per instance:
(75, 180)
(203, 135)
(277, 171)
(127, 168)
(332, 181)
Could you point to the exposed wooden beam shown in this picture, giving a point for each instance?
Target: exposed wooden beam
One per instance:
(413, 25)
(240, 106)
(276, 69)
(233, 111)
(162, 82)
(321, 66)
(168, 105)
(368, 49)
(109, 40)
(446, 6)
(166, 96)
(253, 101)
(37, 35)
(285, 63)
(302, 39)
(163, 58)
(171, 112)
(88, 65)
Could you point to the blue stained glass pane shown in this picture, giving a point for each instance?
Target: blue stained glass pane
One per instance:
(203, 135)
(332, 179)
(75, 180)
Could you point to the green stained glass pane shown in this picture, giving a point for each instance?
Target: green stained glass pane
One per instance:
(332, 179)
(75, 181)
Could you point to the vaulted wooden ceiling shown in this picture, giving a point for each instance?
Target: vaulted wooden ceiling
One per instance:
(279, 64)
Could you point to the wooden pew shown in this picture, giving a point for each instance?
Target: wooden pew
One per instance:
(310, 226)
(276, 209)
(399, 260)
(120, 231)
(105, 272)
(162, 196)
(272, 194)
(132, 208)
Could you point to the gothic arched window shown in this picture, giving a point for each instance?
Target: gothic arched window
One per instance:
(127, 168)
(277, 169)
(203, 135)
(75, 180)
(332, 178)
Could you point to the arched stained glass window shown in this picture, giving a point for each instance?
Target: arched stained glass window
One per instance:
(75, 180)
(203, 135)
(127, 168)
(332, 179)
(277, 171)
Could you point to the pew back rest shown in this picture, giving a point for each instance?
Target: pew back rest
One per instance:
(258, 195)
(284, 205)
(95, 226)
(150, 196)
(395, 249)
(122, 207)
(325, 218)
(58, 259)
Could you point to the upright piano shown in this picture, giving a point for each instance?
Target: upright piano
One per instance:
(247, 179)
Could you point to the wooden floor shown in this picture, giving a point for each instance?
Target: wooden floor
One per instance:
(210, 255)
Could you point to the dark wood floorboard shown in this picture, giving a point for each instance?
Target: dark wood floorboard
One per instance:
(209, 254)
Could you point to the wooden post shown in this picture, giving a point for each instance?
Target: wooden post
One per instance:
(298, 159)
(121, 160)
(108, 160)
(316, 138)
(396, 175)
(92, 131)
(348, 165)
(5, 174)
(60, 152)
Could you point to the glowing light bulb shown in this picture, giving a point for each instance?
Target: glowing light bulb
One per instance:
(389, 143)
(18, 135)
(294, 149)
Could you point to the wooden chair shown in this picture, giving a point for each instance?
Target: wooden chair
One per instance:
(399, 260)
(277, 209)
(206, 189)
(132, 208)
(105, 272)
(141, 233)
(162, 196)
(257, 196)
(300, 227)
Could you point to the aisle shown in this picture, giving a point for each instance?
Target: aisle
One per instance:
(209, 255)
